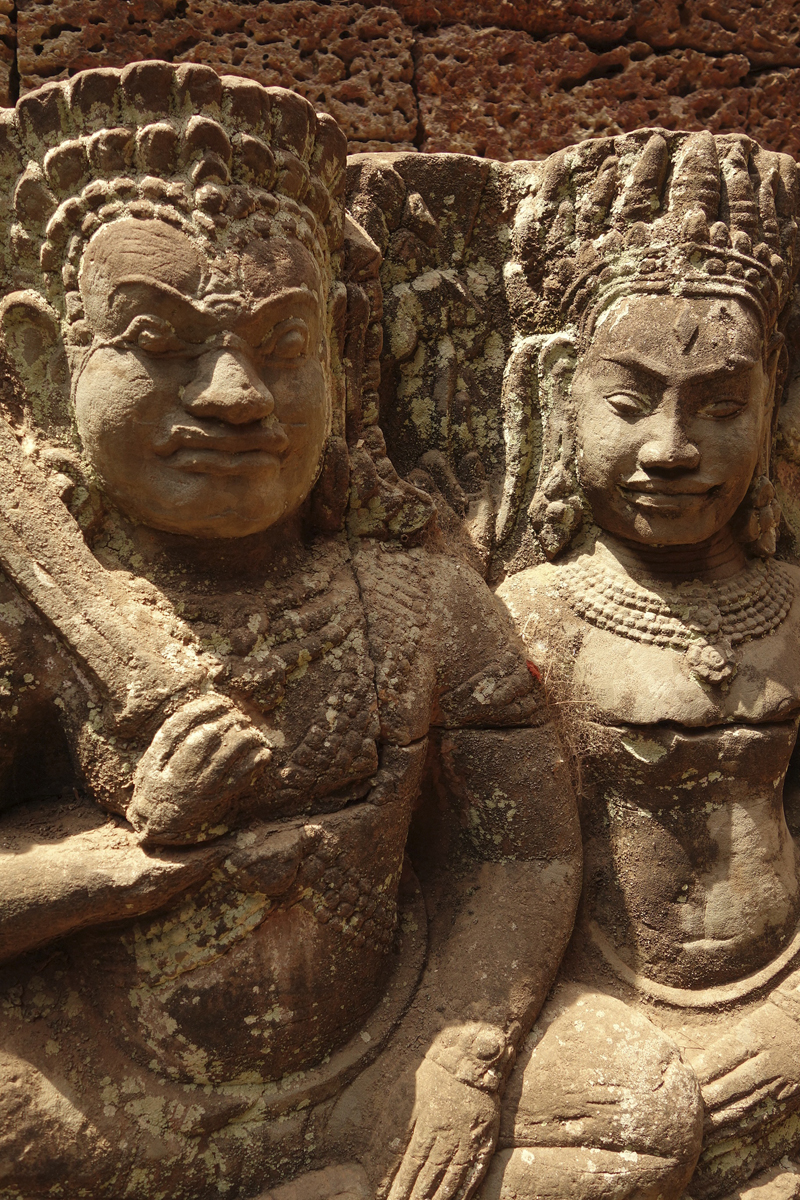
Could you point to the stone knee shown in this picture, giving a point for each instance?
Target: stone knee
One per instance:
(600, 1105)
(44, 1137)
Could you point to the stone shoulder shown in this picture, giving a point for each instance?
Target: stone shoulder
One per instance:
(535, 604)
(445, 651)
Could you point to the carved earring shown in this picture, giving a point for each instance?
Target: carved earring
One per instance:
(758, 518)
(556, 511)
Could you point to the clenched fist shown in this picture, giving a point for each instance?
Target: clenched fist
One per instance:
(203, 757)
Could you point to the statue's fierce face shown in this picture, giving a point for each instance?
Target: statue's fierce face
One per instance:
(672, 399)
(203, 403)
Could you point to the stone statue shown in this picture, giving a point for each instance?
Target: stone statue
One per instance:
(651, 282)
(288, 848)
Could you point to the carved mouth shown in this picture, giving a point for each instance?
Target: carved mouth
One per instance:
(208, 461)
(666, 499)
(666, 493)
(224, 452)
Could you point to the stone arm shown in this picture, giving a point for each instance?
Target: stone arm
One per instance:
(65, 864)
(496, 844)
(502, 914)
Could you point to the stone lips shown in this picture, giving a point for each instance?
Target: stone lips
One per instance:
(354, 60)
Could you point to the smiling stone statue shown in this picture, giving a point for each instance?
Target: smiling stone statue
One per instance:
(236, 661)
(667, 1057)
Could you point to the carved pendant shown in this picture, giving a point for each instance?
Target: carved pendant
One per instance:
(704, 621)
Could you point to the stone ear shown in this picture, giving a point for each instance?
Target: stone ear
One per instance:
(557, 362)
(30, 335)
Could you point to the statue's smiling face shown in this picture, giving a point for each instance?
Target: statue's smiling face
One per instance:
(203, 404)
(671, 400)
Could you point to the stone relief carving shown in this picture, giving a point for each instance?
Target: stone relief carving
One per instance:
(627, 308)
(290, 857)
(666, 266)
(289, 846)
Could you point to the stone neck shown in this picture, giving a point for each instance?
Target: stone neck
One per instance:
(717, 558)
(220, 562)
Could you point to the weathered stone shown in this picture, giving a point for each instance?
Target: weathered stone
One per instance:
(244, 683)
(572, 395)
(8, 43)
(767, 33)
(504, 95)
(597, 23)
(351, 60)
(635, 253)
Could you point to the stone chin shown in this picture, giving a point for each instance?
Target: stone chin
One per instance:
(206, 505)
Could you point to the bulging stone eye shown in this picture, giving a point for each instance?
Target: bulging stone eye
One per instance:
(153, 334)
(291, 341)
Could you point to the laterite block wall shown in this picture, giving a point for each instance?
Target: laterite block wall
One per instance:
(490, 77)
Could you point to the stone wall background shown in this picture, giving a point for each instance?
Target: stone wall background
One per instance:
(490, 77)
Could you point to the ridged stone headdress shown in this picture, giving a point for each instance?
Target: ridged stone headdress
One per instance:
(219, 158)
(648, 212)
(222, 159)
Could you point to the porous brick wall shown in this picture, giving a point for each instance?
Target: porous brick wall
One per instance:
(492, 77)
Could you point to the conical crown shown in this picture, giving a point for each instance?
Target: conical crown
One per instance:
(222, 158)
(655, 211)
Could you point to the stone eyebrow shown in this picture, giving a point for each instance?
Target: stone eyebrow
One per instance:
(265, 314)
(292, 295)
(629, 358)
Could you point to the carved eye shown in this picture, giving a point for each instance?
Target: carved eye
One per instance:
(722, 409)
(627, 404)
(154, 335)
(289, 340)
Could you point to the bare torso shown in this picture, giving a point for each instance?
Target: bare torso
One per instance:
(690, 871)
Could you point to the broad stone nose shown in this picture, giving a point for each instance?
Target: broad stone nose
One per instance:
(227, 388)
(667, 447)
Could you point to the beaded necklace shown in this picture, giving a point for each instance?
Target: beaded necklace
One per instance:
(704, 621)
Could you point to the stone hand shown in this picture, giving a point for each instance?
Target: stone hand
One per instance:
(202, 758)
(453, 1134)
(750, 1076)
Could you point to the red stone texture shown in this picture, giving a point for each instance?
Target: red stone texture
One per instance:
(7, 49)
(767, 31)
(596, 21)
(503, 94)
(352, 60)
(504, 78)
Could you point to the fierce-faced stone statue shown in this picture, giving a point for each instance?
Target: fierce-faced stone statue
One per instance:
(236, 661)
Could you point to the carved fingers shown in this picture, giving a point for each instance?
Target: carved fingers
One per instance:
(452, 1140)
(202, 758)
(750, 1076)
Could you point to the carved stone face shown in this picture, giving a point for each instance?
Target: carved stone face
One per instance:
(203, 404)
(671, 402)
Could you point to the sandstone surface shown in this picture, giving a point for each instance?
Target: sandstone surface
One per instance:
(488, 77)
(351, 60)
(504, 94)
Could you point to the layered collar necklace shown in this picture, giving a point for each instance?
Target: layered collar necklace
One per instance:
(706, 622)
